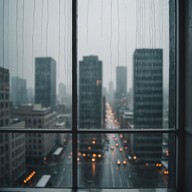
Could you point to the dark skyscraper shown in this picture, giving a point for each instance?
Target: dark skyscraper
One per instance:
(121, 82)
(148, 102)
(45, 82)
(90, 93)
(4, 97)
(90, 105)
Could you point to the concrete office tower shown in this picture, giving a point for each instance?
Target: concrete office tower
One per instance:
(12, 156)
(18, 91)
(121, 82)
(90, 104)
(45, 82)
(38, 146)
(148, 103)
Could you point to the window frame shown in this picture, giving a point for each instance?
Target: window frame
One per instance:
(180, 88)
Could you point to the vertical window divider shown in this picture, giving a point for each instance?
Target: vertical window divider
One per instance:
(74, 95)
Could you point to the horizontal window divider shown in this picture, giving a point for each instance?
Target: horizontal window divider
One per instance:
(84, 131)
(127, 130)
(34, 130)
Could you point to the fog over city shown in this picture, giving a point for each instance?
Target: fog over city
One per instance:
(115, 133)
(110, 29)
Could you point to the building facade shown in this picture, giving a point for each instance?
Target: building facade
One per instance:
(12, 145)
(45, 82)
(148, 103)
(38, 146)
(90, 103)
(90, 93)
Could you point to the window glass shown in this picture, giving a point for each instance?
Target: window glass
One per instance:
(126, 80)
(36, 58)
(126, 59)
(36, 164)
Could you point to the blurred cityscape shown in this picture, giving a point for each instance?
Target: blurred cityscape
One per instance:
(125, 81)
(127, 158)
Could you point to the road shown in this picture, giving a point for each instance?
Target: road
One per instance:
(106, 172)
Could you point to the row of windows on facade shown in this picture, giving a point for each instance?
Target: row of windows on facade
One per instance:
(144, 91)
(4, 104)
(154, 116)
(4, 78)
(34, 153)
(3, 114)
(147, 108)
(18, 142)
(148, 62)
(154, 84)
(148, 79)
(141, 72)
(16, 159)
(34, 141)
(149, 99)
(4, 122)
(4, 96)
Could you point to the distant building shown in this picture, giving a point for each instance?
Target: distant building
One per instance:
(30, 95)
(121, 90)
(148, 103)
(121, 82)
(12, 145)
(38, 146)
(111, 93)
(90, 104)
(45, 82)
(18, 91)
(62, 93)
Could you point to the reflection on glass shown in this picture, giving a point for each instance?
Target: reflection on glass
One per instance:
(123, 54)
(126, 161)
(35, 159)
(33, 36)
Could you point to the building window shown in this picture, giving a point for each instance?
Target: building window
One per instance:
(112, 120)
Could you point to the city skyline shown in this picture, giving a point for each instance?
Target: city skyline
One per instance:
(113, 36)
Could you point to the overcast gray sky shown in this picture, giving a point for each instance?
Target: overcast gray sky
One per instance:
(111, 29)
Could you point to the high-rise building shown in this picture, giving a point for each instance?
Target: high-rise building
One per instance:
(90, 93)
(18, 91)
(90, 103)
(148, 103)
(45, 82)
(4, 97)
(12, 156)
(121, 82)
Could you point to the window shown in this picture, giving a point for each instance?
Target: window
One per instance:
(95, 93)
